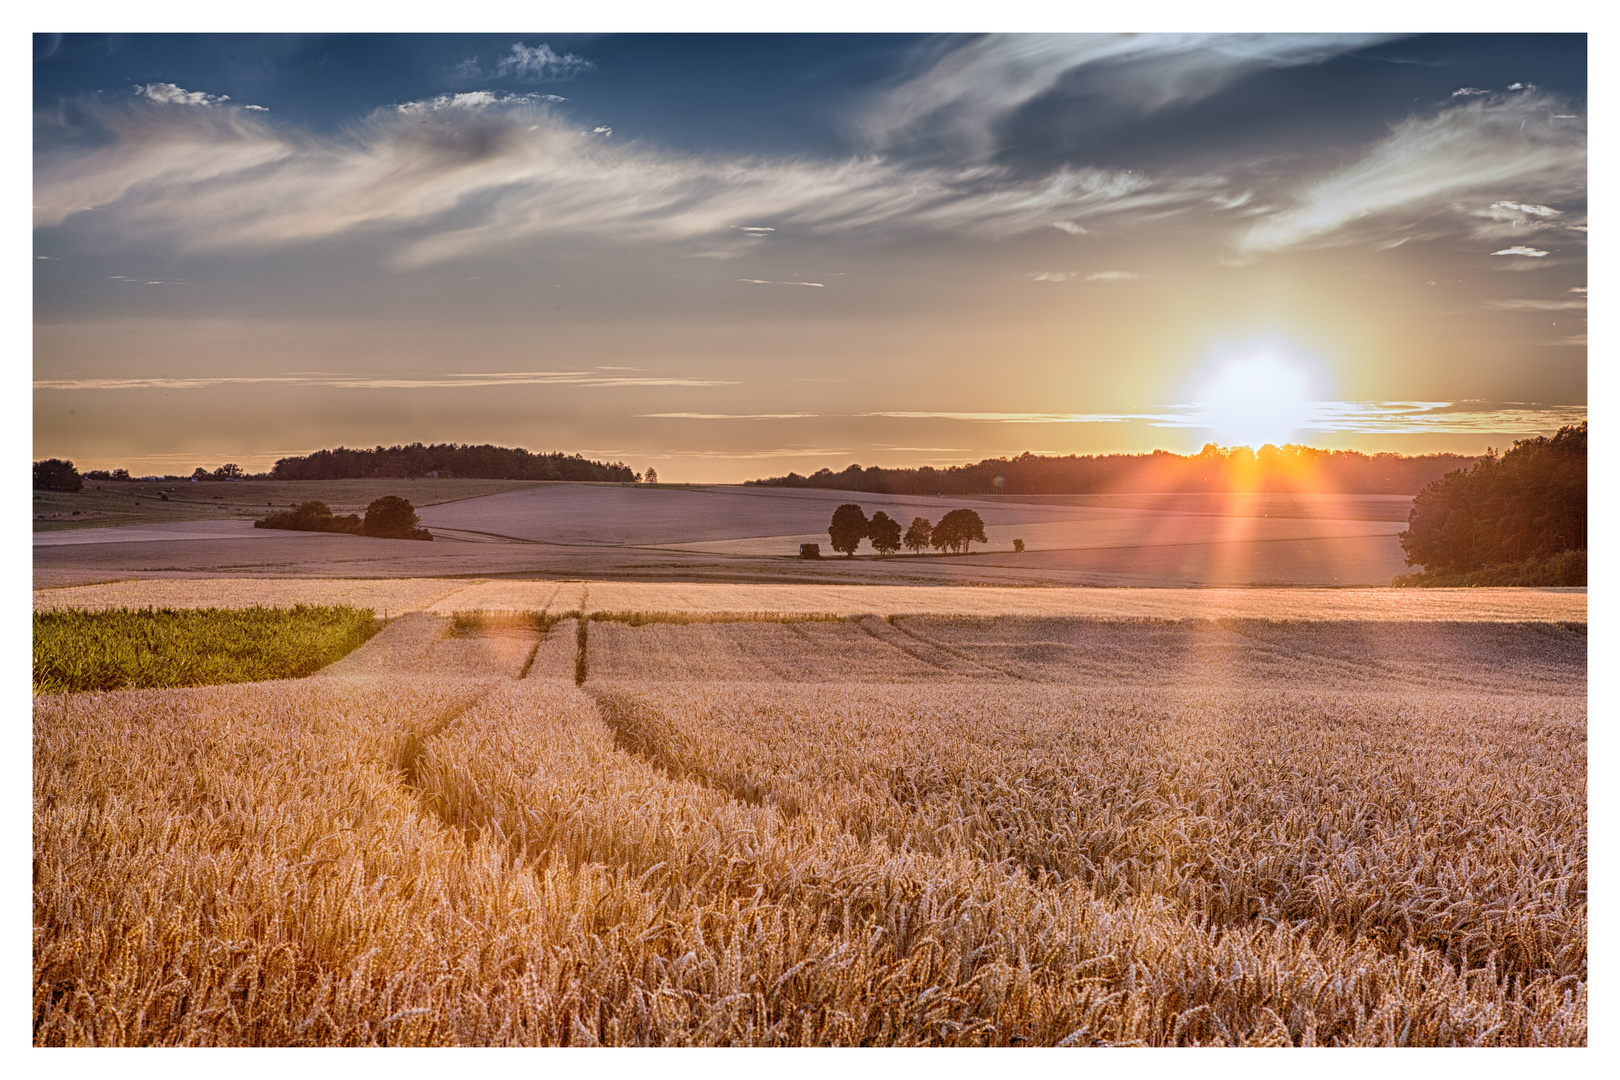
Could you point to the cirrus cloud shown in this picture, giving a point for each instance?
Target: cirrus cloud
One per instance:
(1425, 164)
(463, 174)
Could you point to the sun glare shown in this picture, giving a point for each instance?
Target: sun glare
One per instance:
(1257, 401)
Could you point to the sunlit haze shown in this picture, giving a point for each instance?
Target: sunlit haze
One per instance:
(1257, 401)
(727, 257)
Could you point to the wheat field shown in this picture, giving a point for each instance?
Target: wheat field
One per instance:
(598, 824)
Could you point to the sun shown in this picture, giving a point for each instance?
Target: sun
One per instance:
(1257, 400)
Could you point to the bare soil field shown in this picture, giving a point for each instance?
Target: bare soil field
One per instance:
(753, 534)
(657, 828)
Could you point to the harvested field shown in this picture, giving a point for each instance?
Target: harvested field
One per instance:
(386, 596)
(445, 597)
(914, 830)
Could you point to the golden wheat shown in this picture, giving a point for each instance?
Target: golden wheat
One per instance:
(440, 597)
(904, 831)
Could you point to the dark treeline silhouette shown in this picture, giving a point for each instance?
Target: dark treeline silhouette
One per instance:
(1286, 468)
(447, 459)
(389, 517)
(1523, 508)
(55, 474)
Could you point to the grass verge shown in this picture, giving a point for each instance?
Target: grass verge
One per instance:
(151, 647)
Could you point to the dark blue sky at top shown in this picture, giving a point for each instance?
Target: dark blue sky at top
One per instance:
(777, 92)
(1095, 219)
(789, 92)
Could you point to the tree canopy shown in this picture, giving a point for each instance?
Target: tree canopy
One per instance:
(54, 474)
(1527, 505)
(957, 529)
(884, 533)
(476, 462)
(919, 535)
(391, 516)
(849, 527)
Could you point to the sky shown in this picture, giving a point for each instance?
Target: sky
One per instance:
(728, 256)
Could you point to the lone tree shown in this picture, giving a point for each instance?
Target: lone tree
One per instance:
(54, 474)
(652, 475)
(919, 535)
(884, 532)
(391, 516)
(849, 527)
(957, 529)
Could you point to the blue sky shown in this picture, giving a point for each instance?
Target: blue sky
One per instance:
(732, 255)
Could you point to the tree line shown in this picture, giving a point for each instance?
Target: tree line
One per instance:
(955, 531)
(1521, 509)
(482, 462)
(1214, 468)
(394, 462)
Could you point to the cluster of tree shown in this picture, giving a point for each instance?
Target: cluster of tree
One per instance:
(228, 471)
(54, 474)
(954, 532)
(1523, 507)
(1215, 468)
(447, 459)
(390, 517)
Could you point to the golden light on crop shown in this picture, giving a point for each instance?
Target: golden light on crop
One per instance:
(1257, 400)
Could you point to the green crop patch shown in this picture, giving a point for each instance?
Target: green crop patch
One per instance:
(151, 647)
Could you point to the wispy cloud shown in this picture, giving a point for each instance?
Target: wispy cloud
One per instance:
(170, 94)
(1114, 275)
(473, 99)
(1052, 275)
(1019, 417)
(728, 416)
(1519, 210)
(782, 452)
(1535, 305)
(466, 173)
(372, 382)
(967, 90)
(1325, 417)
(757, 281)
(1426, 163)
(540, 63)
(1520, 249)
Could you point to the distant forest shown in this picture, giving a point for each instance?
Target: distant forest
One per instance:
(447, 459)
(1286, 468)
(1521, 514)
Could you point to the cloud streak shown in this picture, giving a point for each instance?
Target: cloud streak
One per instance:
(540, 63)
(728, 416)
(467, 173)
(1326, 417)
(962, 95)
(370, 382)
(1427, 163)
